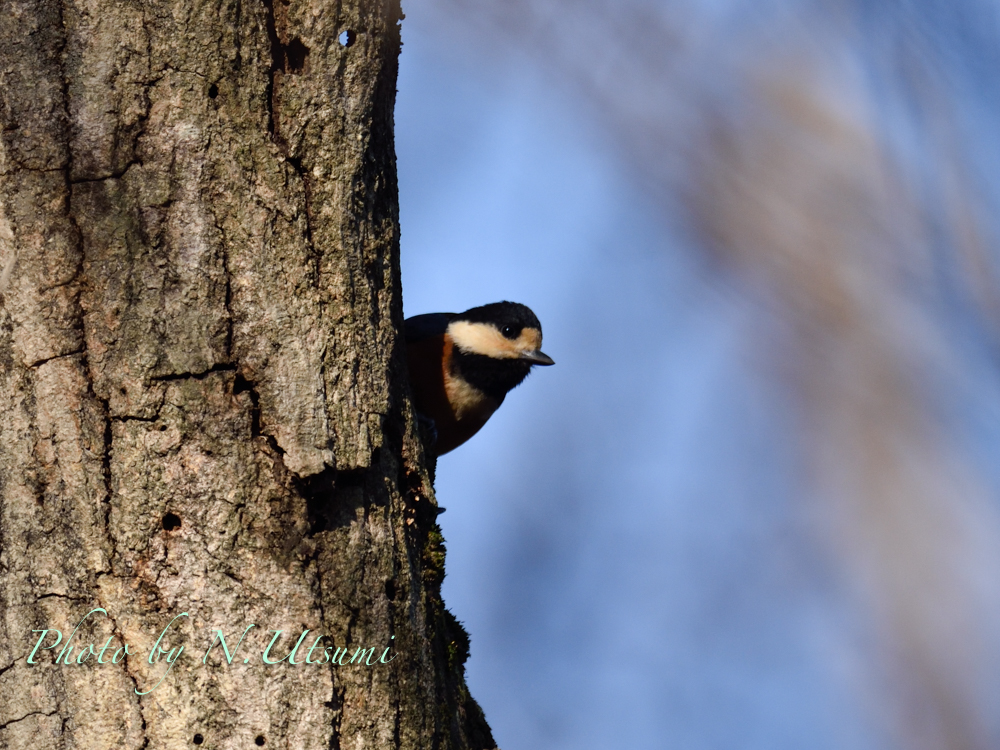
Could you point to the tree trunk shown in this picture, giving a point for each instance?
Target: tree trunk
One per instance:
(203, 405)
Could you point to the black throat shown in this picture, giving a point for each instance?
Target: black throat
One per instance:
(494, 377)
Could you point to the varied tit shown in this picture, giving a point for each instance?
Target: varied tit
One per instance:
(463, 364)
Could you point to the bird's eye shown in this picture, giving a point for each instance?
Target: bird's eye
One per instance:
(509, 332)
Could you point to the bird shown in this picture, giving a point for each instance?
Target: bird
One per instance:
(462, 365)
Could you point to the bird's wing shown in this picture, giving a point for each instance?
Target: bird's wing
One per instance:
(421, 327)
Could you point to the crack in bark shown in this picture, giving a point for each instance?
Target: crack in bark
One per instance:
(38, 363)
(230, 574)
(19, 167)
(229, 286)
(28, 716)
(113, 175)
(130, 418)
(60, 285)
(108, 438)
(296, 164)
(337, 705)
(67, 597)
(128, 673)
(241, 385)
(228, 303)
(193, 375)
(313, 559)
(238, 60)
(275, 46)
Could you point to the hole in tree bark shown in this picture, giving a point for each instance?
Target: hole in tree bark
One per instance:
(390, 590)
(213, 91)
(170, 522)
(260, 740)
(346, 38)
(296, 55)
(198, 739)
(333, 497)
(241, 384)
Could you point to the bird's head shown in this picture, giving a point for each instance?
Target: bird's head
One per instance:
(500, 331)
(495, 347)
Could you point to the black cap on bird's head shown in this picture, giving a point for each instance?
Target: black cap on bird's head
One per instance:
(511, 314)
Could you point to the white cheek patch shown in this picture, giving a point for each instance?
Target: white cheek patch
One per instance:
(482, 338)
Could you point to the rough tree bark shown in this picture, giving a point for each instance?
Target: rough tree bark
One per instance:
(203, 405)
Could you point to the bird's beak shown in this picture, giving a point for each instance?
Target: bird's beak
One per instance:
(538, 358)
